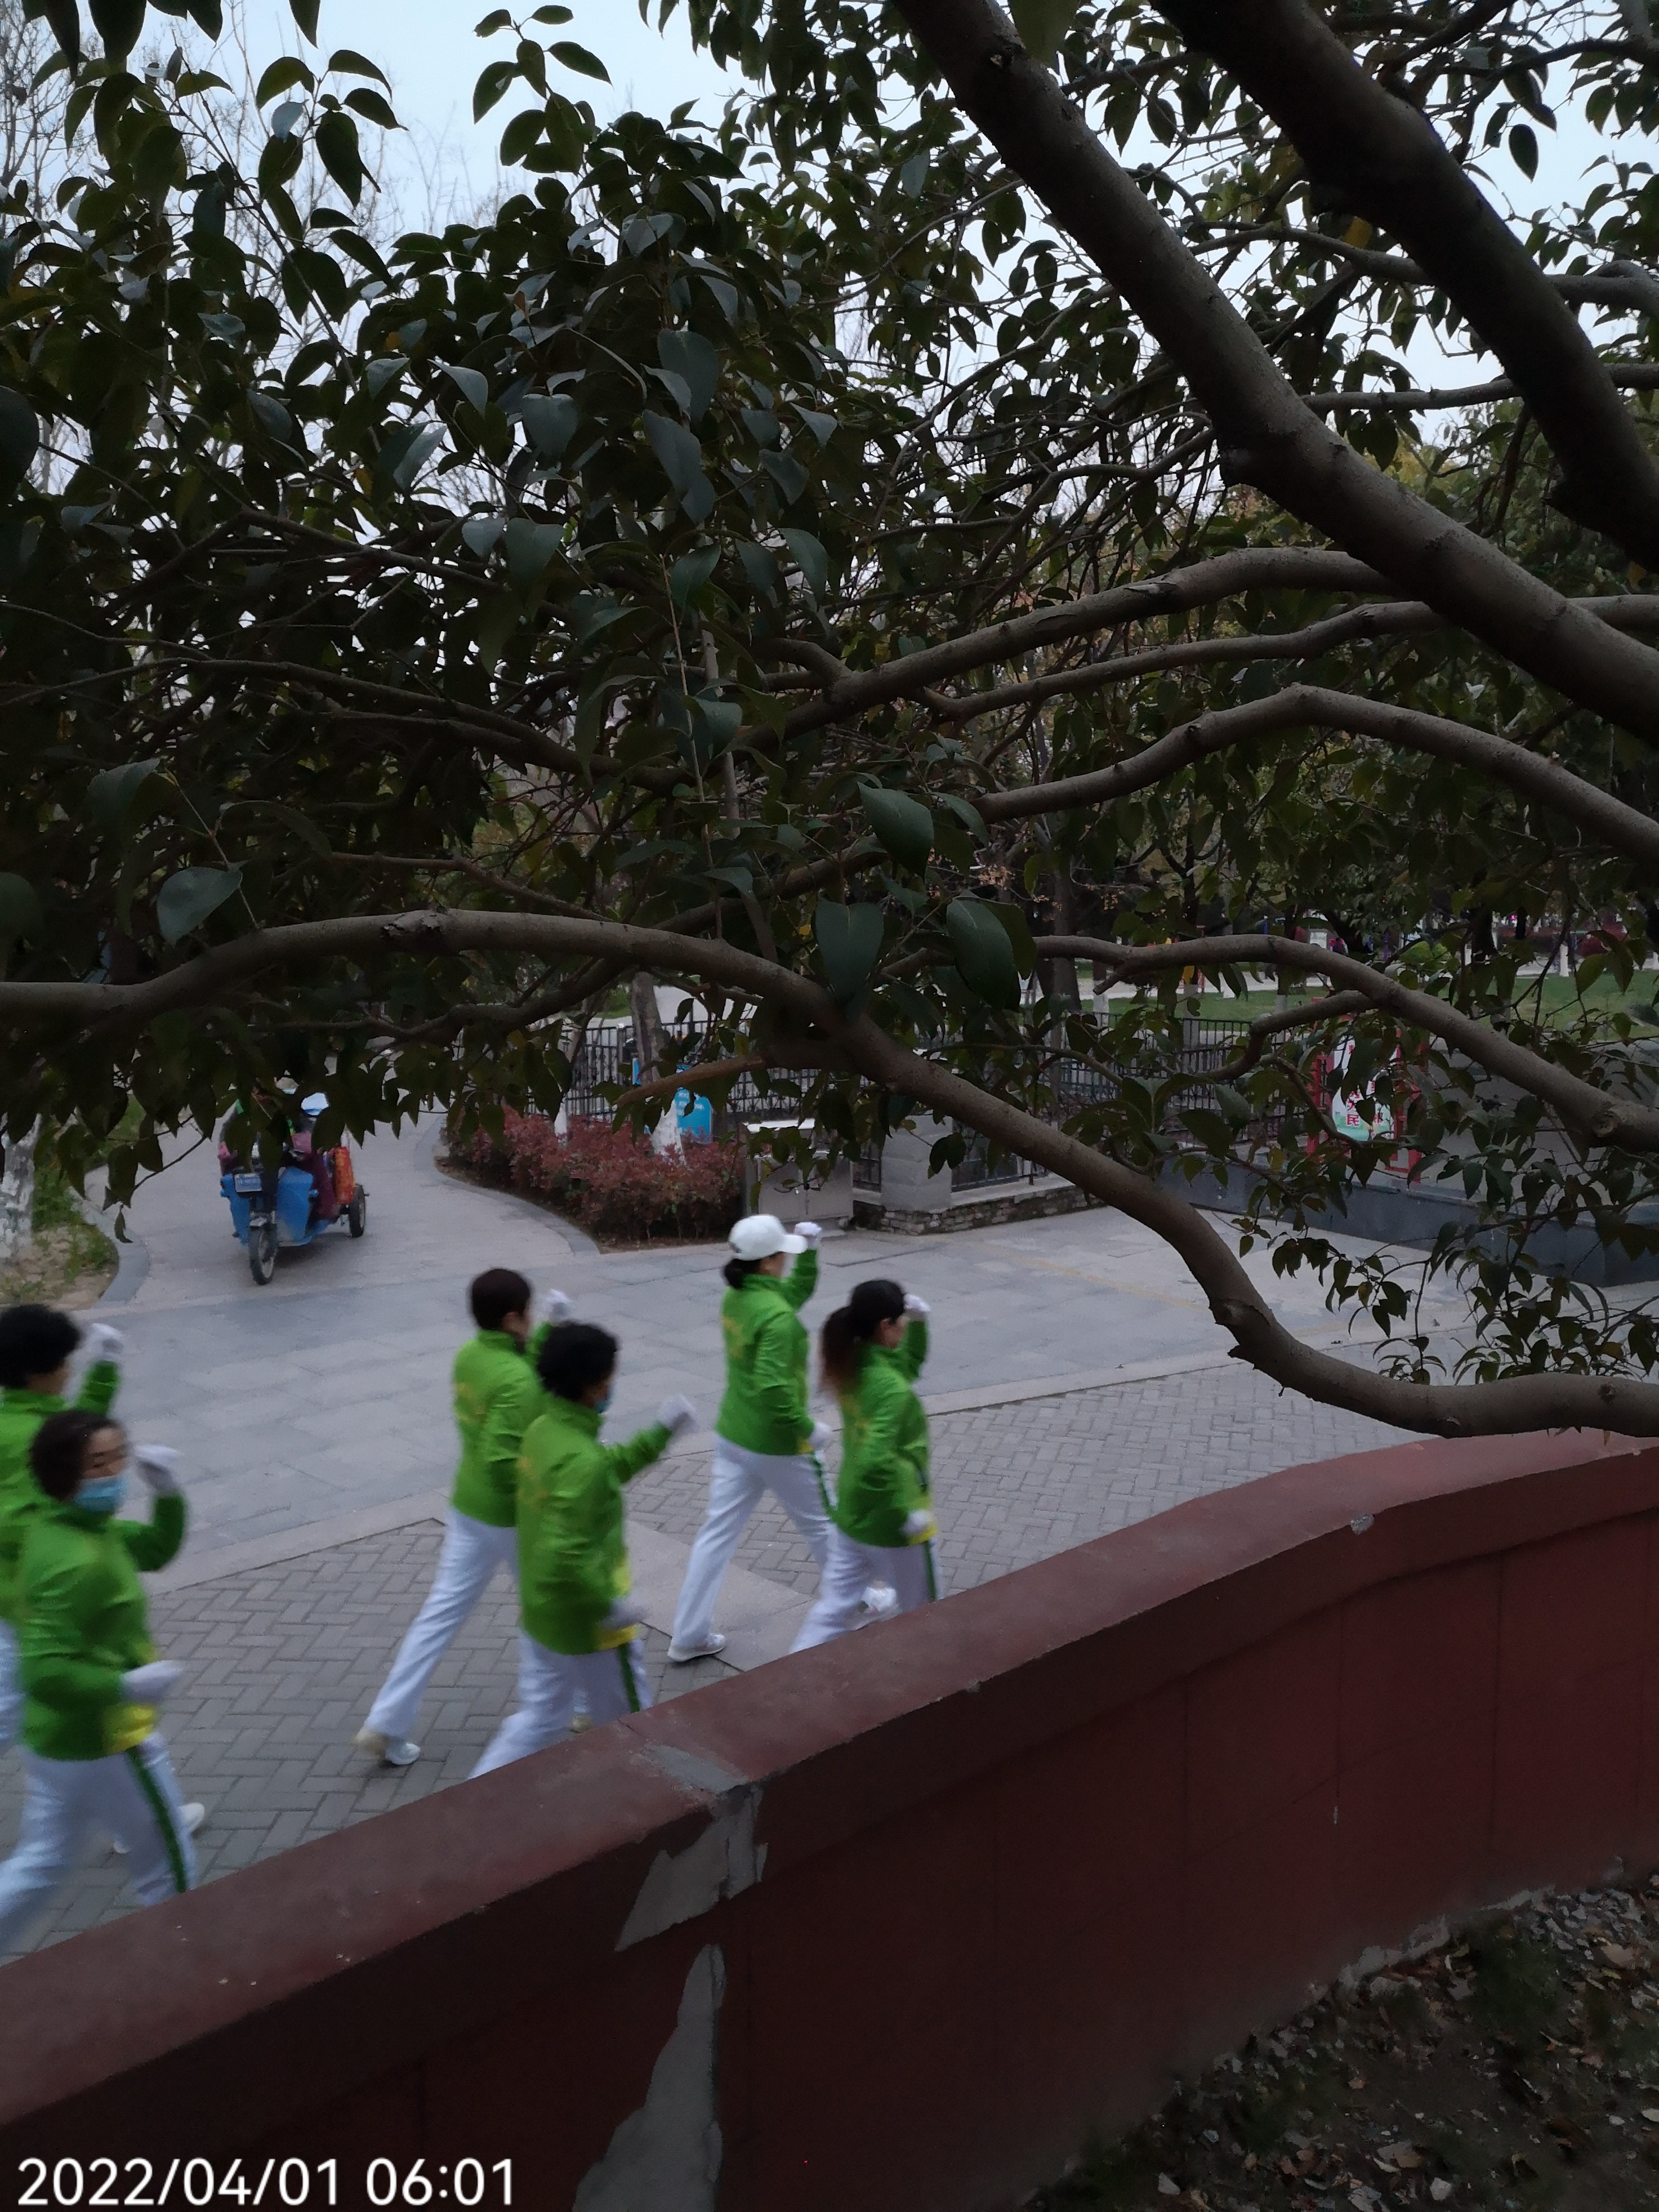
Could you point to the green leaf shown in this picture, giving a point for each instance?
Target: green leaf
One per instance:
(849, 943)
(471, 383)
(691, 572)
(692, 359)
(675, 447)
(492, 84)
(823, 427)
(20, 911)
(185, 901)
(110, 793)
(530, 547)
(405, 452)
(1019, 936)
(578, 58)
(348, 62)
(1042, 24)
(281, 76)
(786, 472)
(371, 104)
(1523, 149)
(19, 435)
(336, 138)
(208, 16)
(118, 23)
(903, 825)
(809, 558)
(763, 572)
(304, 13)
(272, 415)
(550, 422)
(984, 957)
(498, 19)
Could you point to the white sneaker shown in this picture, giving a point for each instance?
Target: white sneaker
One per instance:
(194, 1815)
(391, 1751)
(880, 1600)
(682, 1654)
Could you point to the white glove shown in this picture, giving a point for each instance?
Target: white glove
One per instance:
(148, 1686)
(920, 1525)
(919, 1307)
(676, 1414)
(159, 1465)
(104, 1341)
(555, 1305)
(624, 1613)
(811, 1230)
(819, 1439)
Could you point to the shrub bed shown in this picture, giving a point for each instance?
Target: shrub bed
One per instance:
(609, 1181)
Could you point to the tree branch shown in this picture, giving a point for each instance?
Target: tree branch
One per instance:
(1621, 827)
(1387, 157)
(1267, 437)
(1595, 1115)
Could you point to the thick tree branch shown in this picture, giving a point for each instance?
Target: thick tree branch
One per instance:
(1386, 156)
(1621, 827)
(1267, 437)
(1592, 1113)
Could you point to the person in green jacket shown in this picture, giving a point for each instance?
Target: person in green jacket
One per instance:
(93, 1760)
(496, 1396)
(36, 1347)
(873, 1351)
(579, 1620)
(765, 1438)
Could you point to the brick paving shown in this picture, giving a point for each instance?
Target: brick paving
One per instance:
(283, 1662)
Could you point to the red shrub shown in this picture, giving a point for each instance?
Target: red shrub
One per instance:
(610, 1182)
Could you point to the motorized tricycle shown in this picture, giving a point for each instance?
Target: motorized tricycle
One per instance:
(311, 1191)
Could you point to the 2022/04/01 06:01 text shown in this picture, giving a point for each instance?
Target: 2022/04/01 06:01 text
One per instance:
(143, 2183)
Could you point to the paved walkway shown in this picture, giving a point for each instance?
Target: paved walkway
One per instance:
(1077, 1384)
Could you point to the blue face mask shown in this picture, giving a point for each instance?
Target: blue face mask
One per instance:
(103, 1494)
(599, 1404)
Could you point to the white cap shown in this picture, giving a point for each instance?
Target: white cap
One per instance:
(758, 1235)
(317, 1103)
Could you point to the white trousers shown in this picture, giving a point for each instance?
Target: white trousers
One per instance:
(911, 1569)
(550, 1683)
(11, 1687)
(736, 1486)
(67, 1802)
(472, 1552)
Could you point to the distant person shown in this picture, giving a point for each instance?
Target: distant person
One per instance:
(579, 1620)
(93, 1761)
(765, 1438)
(873, 1351)
(36, 1347)
(496, 1396)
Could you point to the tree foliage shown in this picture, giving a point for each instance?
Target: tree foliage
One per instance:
(952, 517)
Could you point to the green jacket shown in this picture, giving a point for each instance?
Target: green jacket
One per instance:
(496, 1396)
(884, 1456)
(764, 1408)
(572, 1558)
(21, 1412)
(85, 1624)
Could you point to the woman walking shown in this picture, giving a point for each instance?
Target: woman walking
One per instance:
(92, 1759)
(765, 1438)
(872, 1350)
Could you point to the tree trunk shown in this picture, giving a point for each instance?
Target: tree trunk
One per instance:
(648, 1027)
(17, 1196)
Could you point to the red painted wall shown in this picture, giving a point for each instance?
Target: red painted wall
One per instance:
(1020, 1859)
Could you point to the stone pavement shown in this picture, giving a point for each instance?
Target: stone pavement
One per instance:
(1077, 1384)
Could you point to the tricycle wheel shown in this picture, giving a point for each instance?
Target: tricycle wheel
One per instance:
(358, 1213)
(262, 1253)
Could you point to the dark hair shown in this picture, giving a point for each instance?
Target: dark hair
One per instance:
(33, 1340)
(851, 1327)
(57, 1452)
(738, 1271)
(496, 1293)
(574, 1357)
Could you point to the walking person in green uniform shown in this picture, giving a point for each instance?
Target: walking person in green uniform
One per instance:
(578, 1621)
(765, 1438)
(496, 1396)
(37, 1345)
(92, 1760)
(873, 1351)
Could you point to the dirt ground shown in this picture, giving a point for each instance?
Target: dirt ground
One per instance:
(1516, 2066)
(70, 1265)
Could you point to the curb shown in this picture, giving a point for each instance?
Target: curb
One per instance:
(582, 1245)
(132, 1258)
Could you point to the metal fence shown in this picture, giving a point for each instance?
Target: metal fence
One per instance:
(607, 1056)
